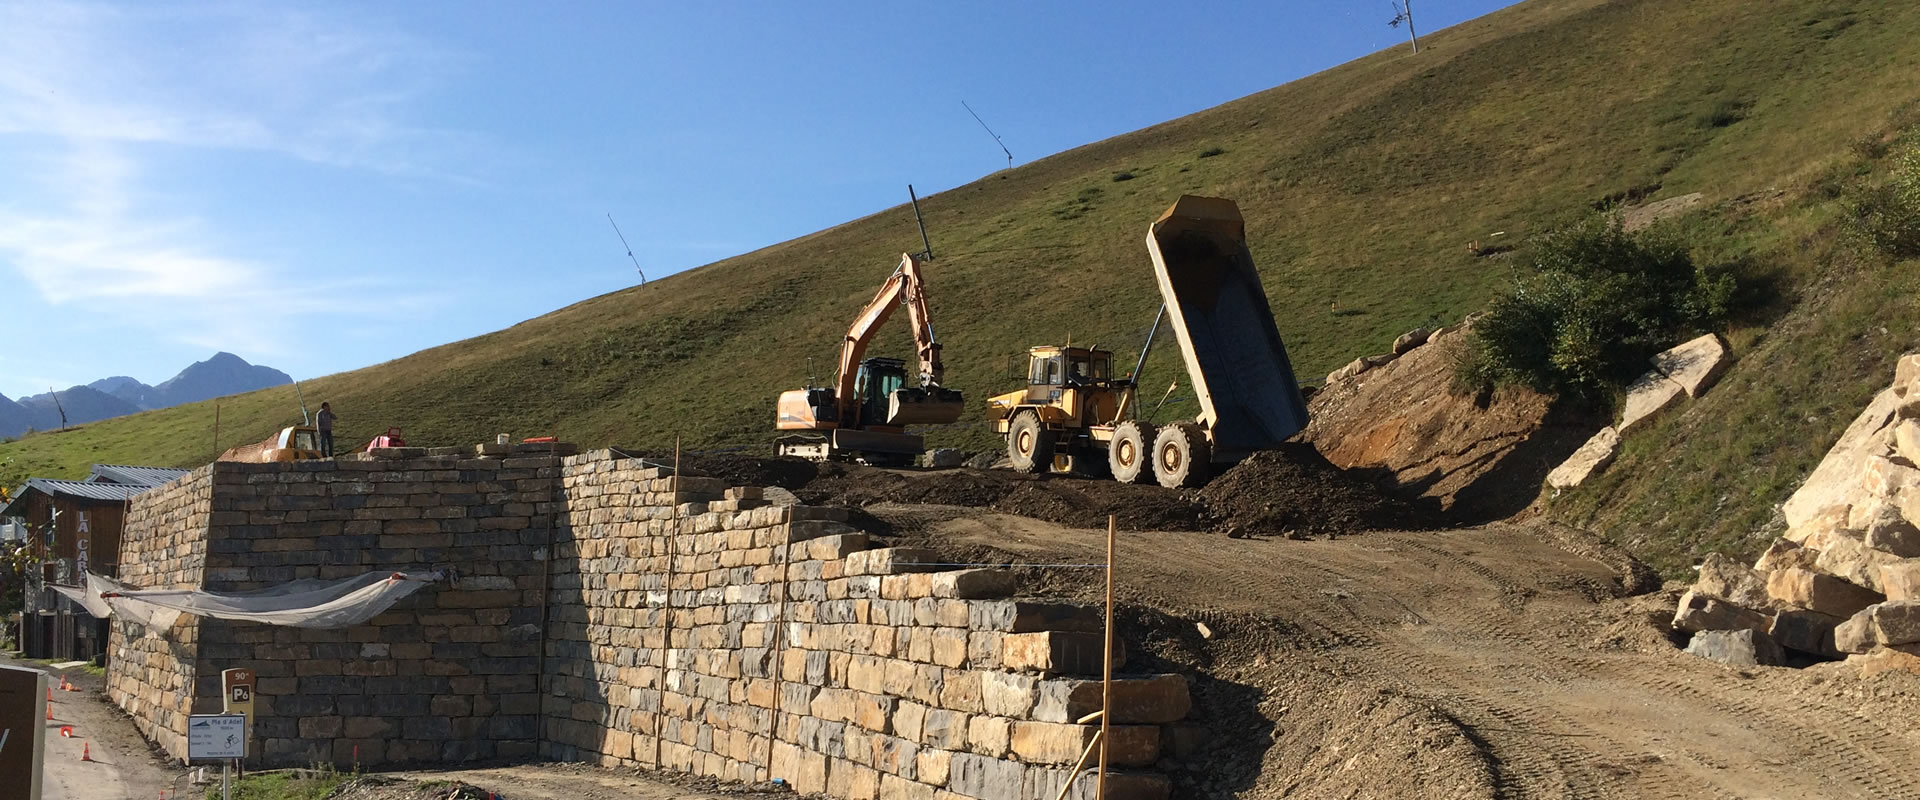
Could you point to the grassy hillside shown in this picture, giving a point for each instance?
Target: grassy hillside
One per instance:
(1361, 186)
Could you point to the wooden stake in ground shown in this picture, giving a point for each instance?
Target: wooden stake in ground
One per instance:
(1106, 670)
(666, 610)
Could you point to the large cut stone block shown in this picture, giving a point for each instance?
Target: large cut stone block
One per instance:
(1896, 622)
(985, 778)
(1025, 616)
(973, 584)
(1648, 395)
(1586, 462)
(1845, 553)
(1695, 365)
(892, 561)
(1856, 634)
(1045, 784)
(1742, 648)
(1784, 553)
(1805, 631)
(1836, 480)
(1156, 699)
(1901, 579)
(1723, 578)
(1815, 591)
(1888, 530)
(1062, 743)
(1701, 613)
(1057, 652)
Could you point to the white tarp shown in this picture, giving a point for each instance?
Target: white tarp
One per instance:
(306, 603)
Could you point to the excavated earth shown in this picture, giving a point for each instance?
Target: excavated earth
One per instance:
(1288, 492)
(1346, 640)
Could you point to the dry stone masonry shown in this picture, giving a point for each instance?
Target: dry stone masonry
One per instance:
(1845, 579)
(601, 610)
(765, 641)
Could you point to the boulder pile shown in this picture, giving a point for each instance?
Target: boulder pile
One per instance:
(1845, 579)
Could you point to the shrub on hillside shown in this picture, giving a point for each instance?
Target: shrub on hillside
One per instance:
(1589, 311)
(1886, 216)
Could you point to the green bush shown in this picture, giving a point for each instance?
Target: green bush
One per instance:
(1595, 304)
(1886, 216)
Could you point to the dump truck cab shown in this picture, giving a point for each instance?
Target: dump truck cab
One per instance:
(1064, 417)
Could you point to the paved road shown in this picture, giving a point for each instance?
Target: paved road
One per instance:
(123, 766)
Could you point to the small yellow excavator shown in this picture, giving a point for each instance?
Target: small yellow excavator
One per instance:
(863, 416)
(296, 443)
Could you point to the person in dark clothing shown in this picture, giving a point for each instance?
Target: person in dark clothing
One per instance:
(323, 423)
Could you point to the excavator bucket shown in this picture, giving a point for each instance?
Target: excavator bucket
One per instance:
(932, 405)
(1248, 395)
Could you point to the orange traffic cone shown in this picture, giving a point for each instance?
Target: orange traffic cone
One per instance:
(86, 751)
(66, 731)
(49, 709)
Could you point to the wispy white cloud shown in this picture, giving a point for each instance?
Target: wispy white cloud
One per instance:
(95, 97)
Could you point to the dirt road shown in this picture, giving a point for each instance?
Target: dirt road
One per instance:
(1488, 662)
(123, 766)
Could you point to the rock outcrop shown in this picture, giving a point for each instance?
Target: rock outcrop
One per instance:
(1845, 579)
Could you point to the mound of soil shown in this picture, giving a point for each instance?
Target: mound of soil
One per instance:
(1294, 490)
(1287, 492)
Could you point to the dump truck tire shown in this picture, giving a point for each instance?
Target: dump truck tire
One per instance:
(1029, 446)
(1182, 457)
(1128, 455)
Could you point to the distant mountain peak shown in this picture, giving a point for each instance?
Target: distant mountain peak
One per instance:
(222, 374)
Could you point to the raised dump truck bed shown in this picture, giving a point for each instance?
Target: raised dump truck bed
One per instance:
(1249, 398)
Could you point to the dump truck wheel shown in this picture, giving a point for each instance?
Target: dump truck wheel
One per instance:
(1182, 457)
(1128, 454)
(1029, 446)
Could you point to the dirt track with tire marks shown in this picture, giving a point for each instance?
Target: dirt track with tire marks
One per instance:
(1551, 685)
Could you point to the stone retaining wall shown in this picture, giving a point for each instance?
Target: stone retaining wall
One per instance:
(766, 642)
(447, 674)
(693, 627)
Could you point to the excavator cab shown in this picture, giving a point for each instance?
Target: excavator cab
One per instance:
(879, 378)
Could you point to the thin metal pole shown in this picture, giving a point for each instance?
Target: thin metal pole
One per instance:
(924, 241)
(1106, 671)
(216, 428)
(780, 648)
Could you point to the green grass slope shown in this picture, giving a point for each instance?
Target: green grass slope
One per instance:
(1361, 185)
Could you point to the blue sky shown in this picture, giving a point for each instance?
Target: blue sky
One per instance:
(324, 186)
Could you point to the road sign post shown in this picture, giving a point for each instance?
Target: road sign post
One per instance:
(23, 733)
(218, 736)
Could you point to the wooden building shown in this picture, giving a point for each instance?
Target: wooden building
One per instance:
(74, 528)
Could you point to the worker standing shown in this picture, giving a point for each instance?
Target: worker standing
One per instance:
(323, 423)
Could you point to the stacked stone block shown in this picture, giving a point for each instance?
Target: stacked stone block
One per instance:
(600, 609)
(1845, 579)
(163, 546)
(448, 674)
(700, 629)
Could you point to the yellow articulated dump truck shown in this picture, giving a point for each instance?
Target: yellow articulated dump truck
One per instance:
(1076, 414)
(295, 443)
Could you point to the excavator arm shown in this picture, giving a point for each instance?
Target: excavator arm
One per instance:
(868, 420)
(904, 287)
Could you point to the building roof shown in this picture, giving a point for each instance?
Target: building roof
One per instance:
(133, 475)
(112, 492)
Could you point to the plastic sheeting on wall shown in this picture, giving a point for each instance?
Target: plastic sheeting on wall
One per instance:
(296, 604)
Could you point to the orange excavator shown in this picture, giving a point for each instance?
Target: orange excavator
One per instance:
(864, 415)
